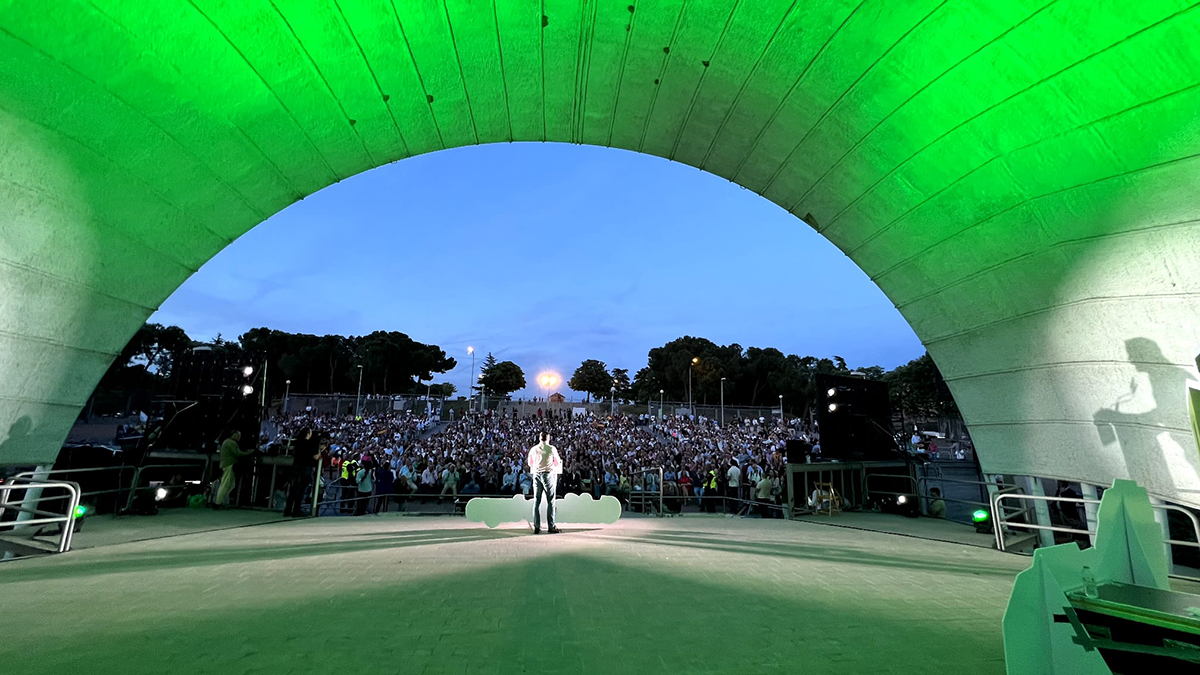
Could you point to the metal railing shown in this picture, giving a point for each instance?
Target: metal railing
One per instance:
(42, 517)
(137, 476)
(1001, 522)
(120, 469)
(45, 475)
(643, 494)
(867, 484)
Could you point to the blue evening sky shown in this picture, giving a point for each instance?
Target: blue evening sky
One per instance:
(545, 255)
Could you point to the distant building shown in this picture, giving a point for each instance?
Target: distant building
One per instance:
(557, 398)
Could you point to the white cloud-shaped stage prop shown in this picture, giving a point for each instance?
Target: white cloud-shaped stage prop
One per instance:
(572, 508)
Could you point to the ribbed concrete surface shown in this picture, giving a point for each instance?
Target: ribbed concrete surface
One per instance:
(1017, 175)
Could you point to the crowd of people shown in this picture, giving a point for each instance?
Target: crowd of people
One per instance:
(377, 461)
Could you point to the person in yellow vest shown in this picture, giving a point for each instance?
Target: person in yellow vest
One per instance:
(349, 483)
(711, 490)
(231, 452)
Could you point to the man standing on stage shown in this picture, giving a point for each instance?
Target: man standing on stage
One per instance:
(231, 452)
(545, 465)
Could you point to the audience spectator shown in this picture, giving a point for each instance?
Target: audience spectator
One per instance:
(482, 453)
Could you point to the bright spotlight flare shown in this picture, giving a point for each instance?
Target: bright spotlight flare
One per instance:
(247, 390)
(248, 371)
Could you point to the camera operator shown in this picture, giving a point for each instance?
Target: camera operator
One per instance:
(306, 452)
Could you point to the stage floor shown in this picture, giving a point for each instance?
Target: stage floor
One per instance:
(698, 594)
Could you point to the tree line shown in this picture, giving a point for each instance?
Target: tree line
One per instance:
(757, 377)
(393, 363)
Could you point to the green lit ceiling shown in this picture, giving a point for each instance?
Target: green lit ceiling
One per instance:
(1019, 176)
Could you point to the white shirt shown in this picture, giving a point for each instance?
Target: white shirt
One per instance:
(735, 476)
(544, 457)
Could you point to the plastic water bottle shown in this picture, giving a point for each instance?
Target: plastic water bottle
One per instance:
(1089, 583)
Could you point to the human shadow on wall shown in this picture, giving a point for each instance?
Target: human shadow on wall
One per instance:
(20, 434)
(1153, 426)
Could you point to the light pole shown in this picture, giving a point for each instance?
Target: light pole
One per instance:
(482, 395)
(358, 397)
(782, 423)
(547, 381)
(722, 402)
(612, 406)
(287, 390)
(471, 381)
(660, 404)
(691, 404)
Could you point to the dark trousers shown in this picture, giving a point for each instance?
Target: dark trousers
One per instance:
(360, 504)
(543, 486)
(732, 503)
(297, 490)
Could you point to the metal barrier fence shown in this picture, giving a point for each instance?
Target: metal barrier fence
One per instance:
(41, 517)
(43, 475)
(1001, 522)
(867, 484)
(119, 469)
(645, 494)
(137, 476)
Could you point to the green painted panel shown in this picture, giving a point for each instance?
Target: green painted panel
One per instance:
(1017, 175)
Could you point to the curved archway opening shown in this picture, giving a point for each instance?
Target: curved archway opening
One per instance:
(545, 254)
(1025, 200)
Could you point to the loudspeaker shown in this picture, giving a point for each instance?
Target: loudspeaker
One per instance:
(795, 451)
(855, 419)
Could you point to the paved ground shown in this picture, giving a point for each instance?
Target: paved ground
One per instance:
(925, 528)
(440, 595)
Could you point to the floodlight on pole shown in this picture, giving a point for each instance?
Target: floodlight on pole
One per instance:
(248, 371)
(691, 410)
(831, 393)
(286, 392)
(722, 402)
(470, 385)
(358, 397)
(660, 404)
(547, 380)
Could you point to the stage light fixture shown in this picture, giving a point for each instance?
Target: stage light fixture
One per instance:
(248, 371)
(833, 407)
(831, 393)
(980, 516)
(160, 494)
(902, 500)
(82, 510)
(247, 390)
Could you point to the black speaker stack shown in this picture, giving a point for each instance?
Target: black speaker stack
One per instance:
(213, 393)
(854, 417)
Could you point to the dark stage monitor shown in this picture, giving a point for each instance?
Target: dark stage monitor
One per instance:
(855, 418)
